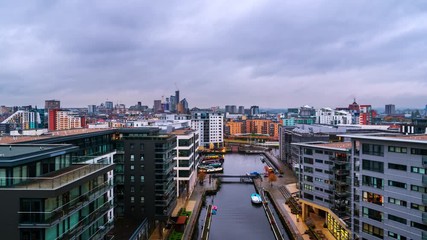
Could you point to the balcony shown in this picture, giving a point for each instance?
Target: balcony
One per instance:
(424, 179)
(424, 159)
(424, 198)
(63, 211)
(55, 181)
(424, 217)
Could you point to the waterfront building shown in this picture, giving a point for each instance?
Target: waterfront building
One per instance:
(389, 185)
(145, 174)
(64, 120)
(324, 185)
(210, 128)
(52, 192)
(329, 116)
(187, 160)
(390, 109)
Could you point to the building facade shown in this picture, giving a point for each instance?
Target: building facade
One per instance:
(210, 128)
(53, 193)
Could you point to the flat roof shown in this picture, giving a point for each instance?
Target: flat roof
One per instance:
(337, 146)
(17, 150)
(53, 134)
(422, 138)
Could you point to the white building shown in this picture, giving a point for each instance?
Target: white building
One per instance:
(187, 160)
(333, 117)
(210, 128)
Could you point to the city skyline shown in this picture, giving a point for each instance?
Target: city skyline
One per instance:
(272, 54)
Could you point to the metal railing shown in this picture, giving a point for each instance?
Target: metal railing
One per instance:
(52, 182)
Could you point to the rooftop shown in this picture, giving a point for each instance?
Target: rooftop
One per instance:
(394, 138)
(17, 150)
(340, 146)
(53, 134)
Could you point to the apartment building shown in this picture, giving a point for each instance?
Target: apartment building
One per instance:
(186, 161)
(210, 128)
(54, 193)
(324, 185)
(389, 189)
(333, 117)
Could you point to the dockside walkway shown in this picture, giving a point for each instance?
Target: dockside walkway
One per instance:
(288, 181)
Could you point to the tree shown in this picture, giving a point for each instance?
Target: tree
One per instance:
(272, 178)
(201, 176)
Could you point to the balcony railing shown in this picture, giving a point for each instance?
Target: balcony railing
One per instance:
(54, 182)
(51, 217)
(424, 198)
(424, 217)
(424, 179)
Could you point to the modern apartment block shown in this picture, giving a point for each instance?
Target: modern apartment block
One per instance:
(51, 192)
(389, 189)
(333, 117)
(210, 128)
(145, 174)
(187, 160)
(324, 184)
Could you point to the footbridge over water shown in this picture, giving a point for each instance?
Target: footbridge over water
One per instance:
(248, 178)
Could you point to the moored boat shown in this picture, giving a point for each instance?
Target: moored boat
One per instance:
(256, 198)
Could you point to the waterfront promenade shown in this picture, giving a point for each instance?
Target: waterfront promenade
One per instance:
(194, 202)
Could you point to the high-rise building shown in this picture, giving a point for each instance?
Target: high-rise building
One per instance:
(254, 110)
(91, 109)
(390, 109)
(230, 109)
(52, 193)
(210, 128)
(52, 104)
(109, 105)
(241, 110)
(177, 99)
(64, 120)
(157, 108)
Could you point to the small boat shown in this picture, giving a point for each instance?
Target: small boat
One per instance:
(256, 198)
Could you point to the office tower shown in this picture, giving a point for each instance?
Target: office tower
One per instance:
(390, 109)
(52, 104)
(50, 192)
(91, 109)
(177, 96)
(254, 110)
(109, 105)
(241, 110)
(157, 106)
(210, 128)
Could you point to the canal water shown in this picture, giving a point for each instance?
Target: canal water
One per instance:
(237, 217)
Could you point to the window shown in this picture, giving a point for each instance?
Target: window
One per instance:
(142, 199)
(396, 184)
(142, 157)
(373, 198)
(397, 219)
(308, 160)
(372, 214)
(319, 198)
(373, 149)
(397, 167)
(132, 189)
(418, 151)
(372, 230)
(141, 147)
(308, 187)
(421, 208)
(397, 149)
(308, 178)
(132, 157)
(142, 179)
(131, 146)
(132, 167)
(132, 199)
(416, 188)
(396, 236)
(397, 202)
(319, 161)
(419, 226)
(372, 182)
(318, 170)
(308, 151)
(418, 170)
(132, 178)
(308, 169)
(374, 166)
(318, 151)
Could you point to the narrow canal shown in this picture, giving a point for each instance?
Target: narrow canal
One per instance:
(237, 217)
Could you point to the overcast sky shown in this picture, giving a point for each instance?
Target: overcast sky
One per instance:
(267, 53)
